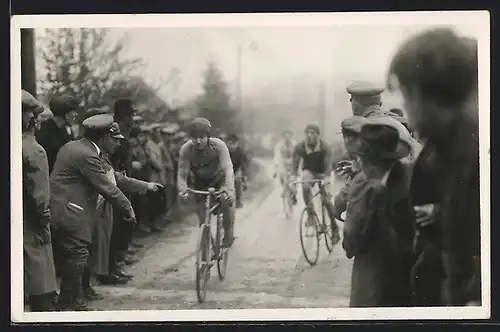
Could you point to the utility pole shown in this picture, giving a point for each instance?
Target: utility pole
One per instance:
(28, 72)
(321, 107)
(239, 80)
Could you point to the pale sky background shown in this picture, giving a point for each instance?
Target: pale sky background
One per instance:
(282, 68)
(269, 54)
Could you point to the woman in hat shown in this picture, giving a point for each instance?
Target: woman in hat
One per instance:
(378, 230)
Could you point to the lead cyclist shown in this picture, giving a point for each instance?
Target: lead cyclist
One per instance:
(283, 161)
(208, 160)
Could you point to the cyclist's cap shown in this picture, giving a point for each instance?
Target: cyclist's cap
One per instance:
(200, 126)
(313, 127)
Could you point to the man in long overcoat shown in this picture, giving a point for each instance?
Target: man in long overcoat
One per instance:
(39, 272)
(76, 181)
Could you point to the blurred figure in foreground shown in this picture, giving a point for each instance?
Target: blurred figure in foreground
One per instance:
(39, 271)
(240, 163)
(436, 72)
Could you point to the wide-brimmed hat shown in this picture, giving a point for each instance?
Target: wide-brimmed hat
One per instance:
(380, 137)
(65, 103)
(123, 107)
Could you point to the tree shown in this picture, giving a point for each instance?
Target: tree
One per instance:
(82, 62)
(214, 103)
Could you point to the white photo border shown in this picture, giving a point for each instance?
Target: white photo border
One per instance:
(481, 19)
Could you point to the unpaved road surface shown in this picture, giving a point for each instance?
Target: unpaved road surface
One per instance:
(266, 266)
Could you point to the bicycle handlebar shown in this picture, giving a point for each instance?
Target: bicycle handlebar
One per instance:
(210, 191)
(311, 181)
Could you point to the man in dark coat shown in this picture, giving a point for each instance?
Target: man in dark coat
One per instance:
(121, 160)
(40, 277)
(379, 225)
(76, 181)
(56, 132)
(441, 102)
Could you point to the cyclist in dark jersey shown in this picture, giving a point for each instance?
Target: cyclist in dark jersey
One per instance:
(208, 161)
(316, 156)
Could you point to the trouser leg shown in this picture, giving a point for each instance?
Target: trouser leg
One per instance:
(228, 223)
(75, 260)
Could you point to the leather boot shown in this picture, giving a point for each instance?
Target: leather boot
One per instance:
(41, 303)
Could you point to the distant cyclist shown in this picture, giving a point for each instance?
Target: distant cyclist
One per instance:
(208, 160)
(283, 159)
(316, 156)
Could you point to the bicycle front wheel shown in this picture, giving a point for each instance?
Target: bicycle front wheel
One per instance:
(222, 254)
(203, 263)
(309, 238)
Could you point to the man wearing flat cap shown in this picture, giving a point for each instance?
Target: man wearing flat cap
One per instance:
(39, 272)
(57, 131)
(379, 225)
(76, 181)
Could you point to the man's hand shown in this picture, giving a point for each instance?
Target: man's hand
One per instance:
(136, 165)
(152, 186)
(228, 197)
(43, 236)
(344, 167)
(424, 214)
(130, 218)
(184, 196)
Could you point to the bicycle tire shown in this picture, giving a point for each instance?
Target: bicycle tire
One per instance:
(202, 256)
(328, 234)
(312, 260)
(222, 258)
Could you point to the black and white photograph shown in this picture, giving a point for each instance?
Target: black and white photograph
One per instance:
(239, 167)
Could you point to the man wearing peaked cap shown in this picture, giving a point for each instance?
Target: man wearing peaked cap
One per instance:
(39, 272)
(366, 98)
(76, 181)
(57, 131)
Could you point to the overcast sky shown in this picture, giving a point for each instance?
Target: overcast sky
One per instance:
(268, 53)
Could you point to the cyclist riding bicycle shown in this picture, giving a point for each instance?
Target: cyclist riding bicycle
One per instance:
(283, 160)
(316, 156)
(208, 160)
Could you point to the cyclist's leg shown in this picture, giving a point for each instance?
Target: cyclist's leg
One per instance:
(306, 193)
(327, 202)
(228, 214)
(237, 187)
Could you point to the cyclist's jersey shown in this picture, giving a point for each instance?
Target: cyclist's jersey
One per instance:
(283, 156)
(317, 159)
(210, 165)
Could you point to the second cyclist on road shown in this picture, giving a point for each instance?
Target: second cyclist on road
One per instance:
(316, 156)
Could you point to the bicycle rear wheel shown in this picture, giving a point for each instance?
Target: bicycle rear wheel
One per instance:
(222, 252)
(203, 263)
(309, 238)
